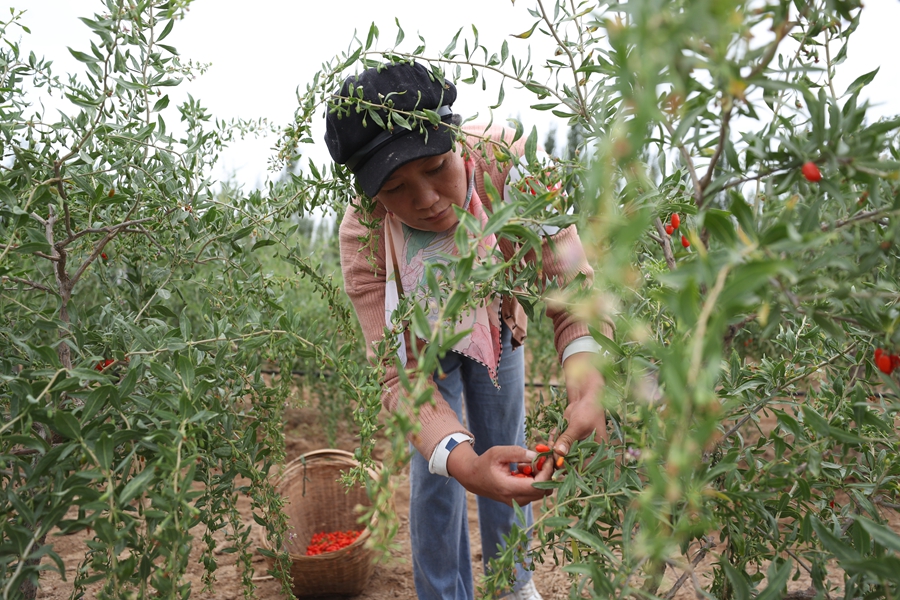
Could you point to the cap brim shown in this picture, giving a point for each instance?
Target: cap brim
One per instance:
(407, 147)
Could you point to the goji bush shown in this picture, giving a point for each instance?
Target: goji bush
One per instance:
(765, 297)
(137, 322)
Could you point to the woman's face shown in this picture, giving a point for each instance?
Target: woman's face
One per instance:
(423, 192)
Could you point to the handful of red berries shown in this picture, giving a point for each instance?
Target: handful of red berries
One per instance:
(529, 470)
(330, 541)
(885, 362)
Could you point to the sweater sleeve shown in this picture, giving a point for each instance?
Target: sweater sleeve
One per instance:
(564, 259)
(364, 283)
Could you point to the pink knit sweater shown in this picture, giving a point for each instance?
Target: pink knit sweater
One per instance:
(366, 287)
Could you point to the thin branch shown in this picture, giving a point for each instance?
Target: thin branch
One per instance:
(781, 32)
(57, 165)
(143, 231)
(828, 65)
(701, 554)
(723, 135)
(689, 163)
(29, 283)
(882, 502)
(703, 320)
(758, 176)
(581, 103)
(98, 249)
(108, 229)
(870, 215)
(734, 329)
(665, 242)
(47, 256)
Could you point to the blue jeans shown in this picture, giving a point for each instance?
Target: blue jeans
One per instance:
(438, 518)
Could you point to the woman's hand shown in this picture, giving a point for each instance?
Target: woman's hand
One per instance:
(489, 475)
(584, 414)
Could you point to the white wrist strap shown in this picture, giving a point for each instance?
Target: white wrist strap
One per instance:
(438, 462)
(583, 344)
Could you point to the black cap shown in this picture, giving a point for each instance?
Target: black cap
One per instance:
(371, 152)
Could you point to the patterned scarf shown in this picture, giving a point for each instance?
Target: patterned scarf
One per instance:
(409, 250)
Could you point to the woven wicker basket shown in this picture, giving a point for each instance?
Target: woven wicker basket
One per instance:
(316, 502)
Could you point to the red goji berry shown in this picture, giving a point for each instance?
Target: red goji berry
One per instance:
(884, 365)
(670, 230)
(685, 242)
(811, 172)
(676, 221)
(330, 542)
(542, 448)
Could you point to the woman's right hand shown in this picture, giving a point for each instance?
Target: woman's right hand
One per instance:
(489, 475)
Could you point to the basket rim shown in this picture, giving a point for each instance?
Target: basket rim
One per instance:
(323, 455)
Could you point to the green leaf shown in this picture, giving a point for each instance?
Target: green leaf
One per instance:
(531, 147)
(136, 486)
(166, 30)
(739, 585)
(82, 57)
(66, 424)
(527, 34)
(263, 244)
(591, 540)
(96, 401)
(161, 103)
(242, 233)
(833, 544)
(881, 534)
(861, 81)
(777, 580)
(719, 224)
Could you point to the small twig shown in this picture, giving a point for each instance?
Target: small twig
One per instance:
(780, 33)
(47, 256)
(734, 329)
(723, 134)
(30, 283)
(701, 554)
(666, 243)
(871, 215)
(98, 249)
(57, 165)
(108, 229)
(582, 106)
(689, 163)
(806, 594)
(703, 320)
(880, 501)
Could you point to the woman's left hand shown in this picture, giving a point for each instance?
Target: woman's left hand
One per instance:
(584, 414)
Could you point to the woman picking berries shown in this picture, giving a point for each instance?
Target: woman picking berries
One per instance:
(415, 181)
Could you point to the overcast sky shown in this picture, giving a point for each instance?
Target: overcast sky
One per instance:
(261, 52)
